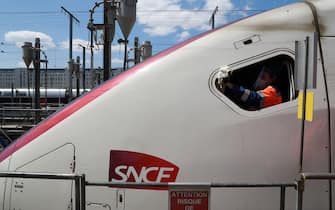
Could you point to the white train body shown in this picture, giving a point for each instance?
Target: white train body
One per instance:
(163, 120)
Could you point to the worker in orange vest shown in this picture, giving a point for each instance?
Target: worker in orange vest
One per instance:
(265, 93)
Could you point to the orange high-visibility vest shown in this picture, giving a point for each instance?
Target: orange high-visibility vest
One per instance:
(271, 96)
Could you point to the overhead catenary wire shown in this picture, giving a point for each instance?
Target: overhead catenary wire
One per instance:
(55, 15)
(154, 12)
(139, 11)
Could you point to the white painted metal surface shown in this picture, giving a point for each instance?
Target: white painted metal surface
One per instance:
(165, 108)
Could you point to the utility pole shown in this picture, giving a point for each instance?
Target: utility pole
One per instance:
(126, 17)
(125, 60)
(70, 62)
(83, 66)
(109, 28)
(84, 69)
(137, 52)
(45, 78)
(77, 72)
(70, 69)
(107, 44)
(29, 74)
(212, 19)
(125, 55)
(91, 28)
(92, 75)
(37, 65)
(72, 17)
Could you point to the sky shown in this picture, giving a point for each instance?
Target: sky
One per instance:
(162, 22)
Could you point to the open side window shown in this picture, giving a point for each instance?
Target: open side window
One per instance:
(247, 75)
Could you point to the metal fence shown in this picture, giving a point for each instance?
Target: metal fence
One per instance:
(281, 186)
(303, 177)
(81, 184)
(78, 184)
(15, 121)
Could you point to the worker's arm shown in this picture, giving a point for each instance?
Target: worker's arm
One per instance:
(250, 98)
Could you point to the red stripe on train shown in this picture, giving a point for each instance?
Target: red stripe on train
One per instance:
(81, 102)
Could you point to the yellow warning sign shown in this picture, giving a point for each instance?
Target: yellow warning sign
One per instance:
(309, 105)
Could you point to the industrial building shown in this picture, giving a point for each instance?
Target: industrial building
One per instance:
(53, 78)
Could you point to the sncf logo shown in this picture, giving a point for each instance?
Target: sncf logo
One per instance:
(126, 166)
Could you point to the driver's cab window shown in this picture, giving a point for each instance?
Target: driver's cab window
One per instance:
(263, 84)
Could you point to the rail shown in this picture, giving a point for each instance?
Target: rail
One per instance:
(303, 177)
(188, 185)
(81, 184)
(76, 178)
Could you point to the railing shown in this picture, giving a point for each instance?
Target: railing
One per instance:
(303, 177)
(281, 186)
(76, 178)
(81, 184)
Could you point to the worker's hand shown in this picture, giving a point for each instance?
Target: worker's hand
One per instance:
(223, 77)
(224, 73)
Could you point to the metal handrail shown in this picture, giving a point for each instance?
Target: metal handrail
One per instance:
(81, 184)
(76, 178)
(303, 177)
(39, 175)
(188, 185)
(315, 176)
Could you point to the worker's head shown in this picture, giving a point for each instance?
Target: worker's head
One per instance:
(266, 77)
